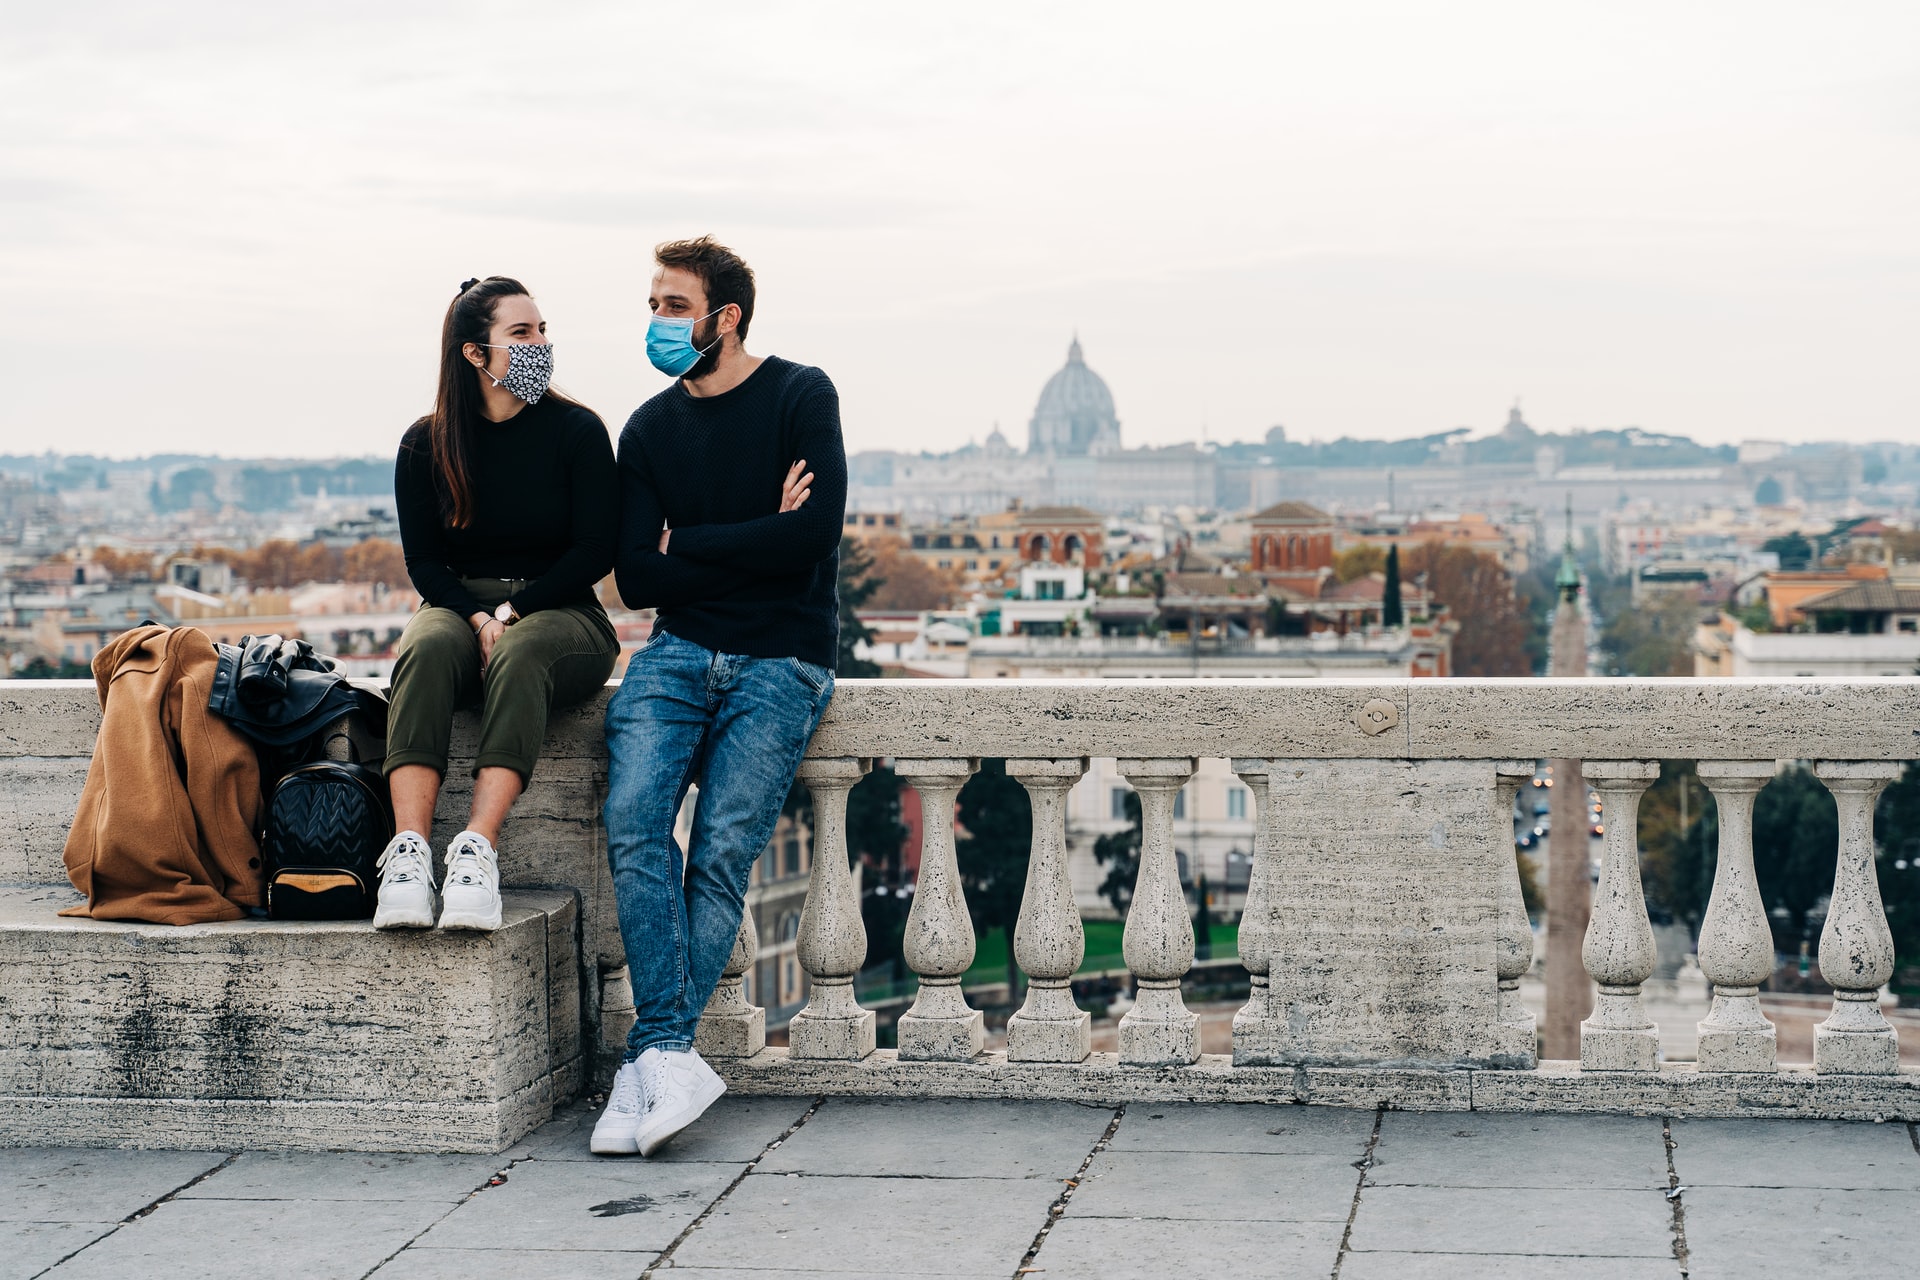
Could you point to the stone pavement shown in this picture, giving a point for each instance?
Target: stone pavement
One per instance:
(765, 1188)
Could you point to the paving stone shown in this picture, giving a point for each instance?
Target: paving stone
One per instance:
(1794, 1153)
(49, 1184)
(1274, 1128)
(911, 1226)
(516, 1264)
(1472, 1150)
(762, 1273)
(1217, 1186)
(246, 1239)
(1603, 1222)
(286, 1175)
(1103, 1248)
(28, 1248)
(942, 1139)
(618, 1206)
(1747, 1233)
(734, 1129)
(1511, 1266)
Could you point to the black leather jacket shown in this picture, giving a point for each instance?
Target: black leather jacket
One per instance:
(278, 692)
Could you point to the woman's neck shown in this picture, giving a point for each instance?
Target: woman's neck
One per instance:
(497, 404)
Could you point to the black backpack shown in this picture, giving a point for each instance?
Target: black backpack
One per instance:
(326, 825)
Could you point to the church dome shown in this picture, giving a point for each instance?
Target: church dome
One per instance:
(1075, 414)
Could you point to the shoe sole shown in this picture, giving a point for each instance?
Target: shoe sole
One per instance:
(623, 1145)
(469, 920)
(402, 918)
(664, 1132)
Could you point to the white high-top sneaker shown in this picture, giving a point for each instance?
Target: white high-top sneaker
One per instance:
(406, 884)
(678, 1088)
(616, 1132)
(471, 892)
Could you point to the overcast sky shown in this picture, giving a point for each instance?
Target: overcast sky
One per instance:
(234, 227)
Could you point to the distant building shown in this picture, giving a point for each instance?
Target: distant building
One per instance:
(1075, 415)
(1291, 539)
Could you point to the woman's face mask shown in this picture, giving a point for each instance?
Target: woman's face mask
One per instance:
(529, 369)
(670, 346)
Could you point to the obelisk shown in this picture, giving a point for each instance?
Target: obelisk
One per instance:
(1569, 868)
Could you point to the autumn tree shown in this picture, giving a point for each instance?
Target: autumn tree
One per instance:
(1479, 596)
(125, 566)
(857, 585)
(374, 560)
(907, 581)
(281, 563)
(1356, 563)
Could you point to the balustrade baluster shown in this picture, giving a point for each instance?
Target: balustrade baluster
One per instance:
(729, 1026)
(1048, 941)
(1158, 940)
(833, 938)
(939, 938)
(1257, 936)
(1736, 946)
(1518, 1040)
(1856, 946)
(1618, 950)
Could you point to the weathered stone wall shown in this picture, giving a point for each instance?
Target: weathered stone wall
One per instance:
(1382, 844)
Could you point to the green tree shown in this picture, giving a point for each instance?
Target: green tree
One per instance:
(1796, 832)
(1795, 551)
(994, 852)
(876, 836)
(1679, 833)
(189, 487)
(1119, 853)
(857, 585)
(1202, 917)
(1654, 638)
(1391, 612)
(41, 669)
(1896, 829)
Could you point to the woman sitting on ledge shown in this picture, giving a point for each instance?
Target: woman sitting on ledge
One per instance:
(509, 508)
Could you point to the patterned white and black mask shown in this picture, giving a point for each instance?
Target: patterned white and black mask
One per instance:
(529, 369)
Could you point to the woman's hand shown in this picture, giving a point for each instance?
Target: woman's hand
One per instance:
(489, 635)
(797, 488)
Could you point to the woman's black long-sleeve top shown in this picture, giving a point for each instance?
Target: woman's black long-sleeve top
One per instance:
(546, 503)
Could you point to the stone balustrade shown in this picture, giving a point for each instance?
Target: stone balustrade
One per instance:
(1384, 930)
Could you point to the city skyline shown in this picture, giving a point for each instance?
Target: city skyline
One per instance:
(1378, 221)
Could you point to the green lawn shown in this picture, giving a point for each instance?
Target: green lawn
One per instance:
(1103, 950)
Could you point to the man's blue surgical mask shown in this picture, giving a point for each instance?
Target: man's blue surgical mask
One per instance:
(670, 343)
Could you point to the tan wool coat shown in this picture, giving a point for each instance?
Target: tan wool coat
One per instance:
(166, 828)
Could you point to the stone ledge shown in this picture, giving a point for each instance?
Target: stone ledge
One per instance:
(325, 1035)
(1555, 1087)
(235, 1124)
(1854, 718)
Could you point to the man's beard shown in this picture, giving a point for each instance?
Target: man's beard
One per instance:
(710, 344)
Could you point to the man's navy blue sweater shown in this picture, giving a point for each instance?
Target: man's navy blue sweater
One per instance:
(739, 575)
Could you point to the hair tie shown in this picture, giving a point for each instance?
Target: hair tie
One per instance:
(469, 284)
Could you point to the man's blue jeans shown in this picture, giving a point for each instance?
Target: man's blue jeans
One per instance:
(738, 727)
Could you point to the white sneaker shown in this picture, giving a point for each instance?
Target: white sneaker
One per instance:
(406, 884)
(616, 1132)
(678, 1088)
(471, 891)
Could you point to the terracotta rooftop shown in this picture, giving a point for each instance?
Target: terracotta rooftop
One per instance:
(1292, 513)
